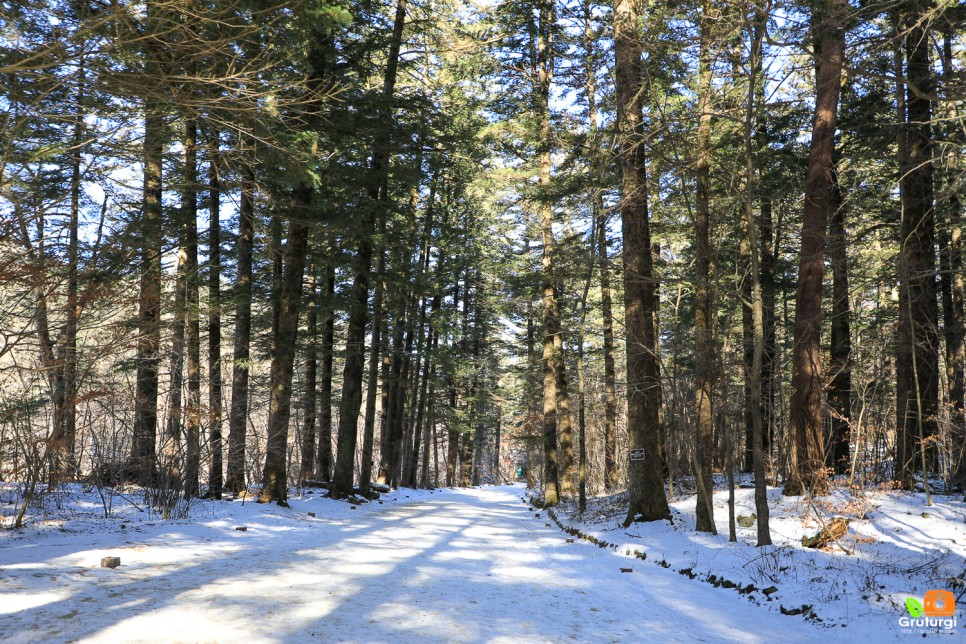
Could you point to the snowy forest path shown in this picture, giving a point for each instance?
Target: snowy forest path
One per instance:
(452, 565)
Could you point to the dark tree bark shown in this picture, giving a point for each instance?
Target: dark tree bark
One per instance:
(471, 442)
(359, 300)
(392, 446)
(951, 266)
(241, 352)
(917, 360)
(420, 438)
(757, 286)
(192, 312)
(277, 257)
(769, 382)
(142, 464)
(452, 429)
(389, 457)
(807, 469)
(402, 395)
(352, 373)
(747, 342)
(648, 501)
(215, 402)
(377, 354)
(610, 370)
(452, 438)
(174, 452)
(758, 311)
(840, 366)
(309, 393)
(324, 458)
(703, 310)
(423, 338)
(63, 437)
(429, 429)
(274, 476)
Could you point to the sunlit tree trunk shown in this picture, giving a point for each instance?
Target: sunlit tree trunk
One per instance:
(807, 470)
(647, 497)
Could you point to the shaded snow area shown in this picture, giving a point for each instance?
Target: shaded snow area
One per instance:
(897, 547)
(461, 565)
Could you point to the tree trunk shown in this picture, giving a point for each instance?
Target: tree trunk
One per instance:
(597, 206)
(581, 403)
(274, 476)
(754, 379)
(402, 395)
(471, 440)
(806, 408)
(552, 344)
(359, 301)
(174, 452)
(917, 362)
(48, 360)
(142, 465)
(534, 438)
(952, 282)
(610, 370)
(747, 339)
(452, 438)
(192, 312)
(648, 501)
(423, 339)
(215, 402)
(65, 413)
(309, 392)
(568, 473)
(840, 387)
(377, 354)
(429, 431)
(324, 458)
(241, 361)
(452, 429)
(703, 310)
(393, 446)
(419, 436)
(769, 349)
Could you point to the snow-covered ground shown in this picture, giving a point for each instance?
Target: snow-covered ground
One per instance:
(469, 565)
(897, 547)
